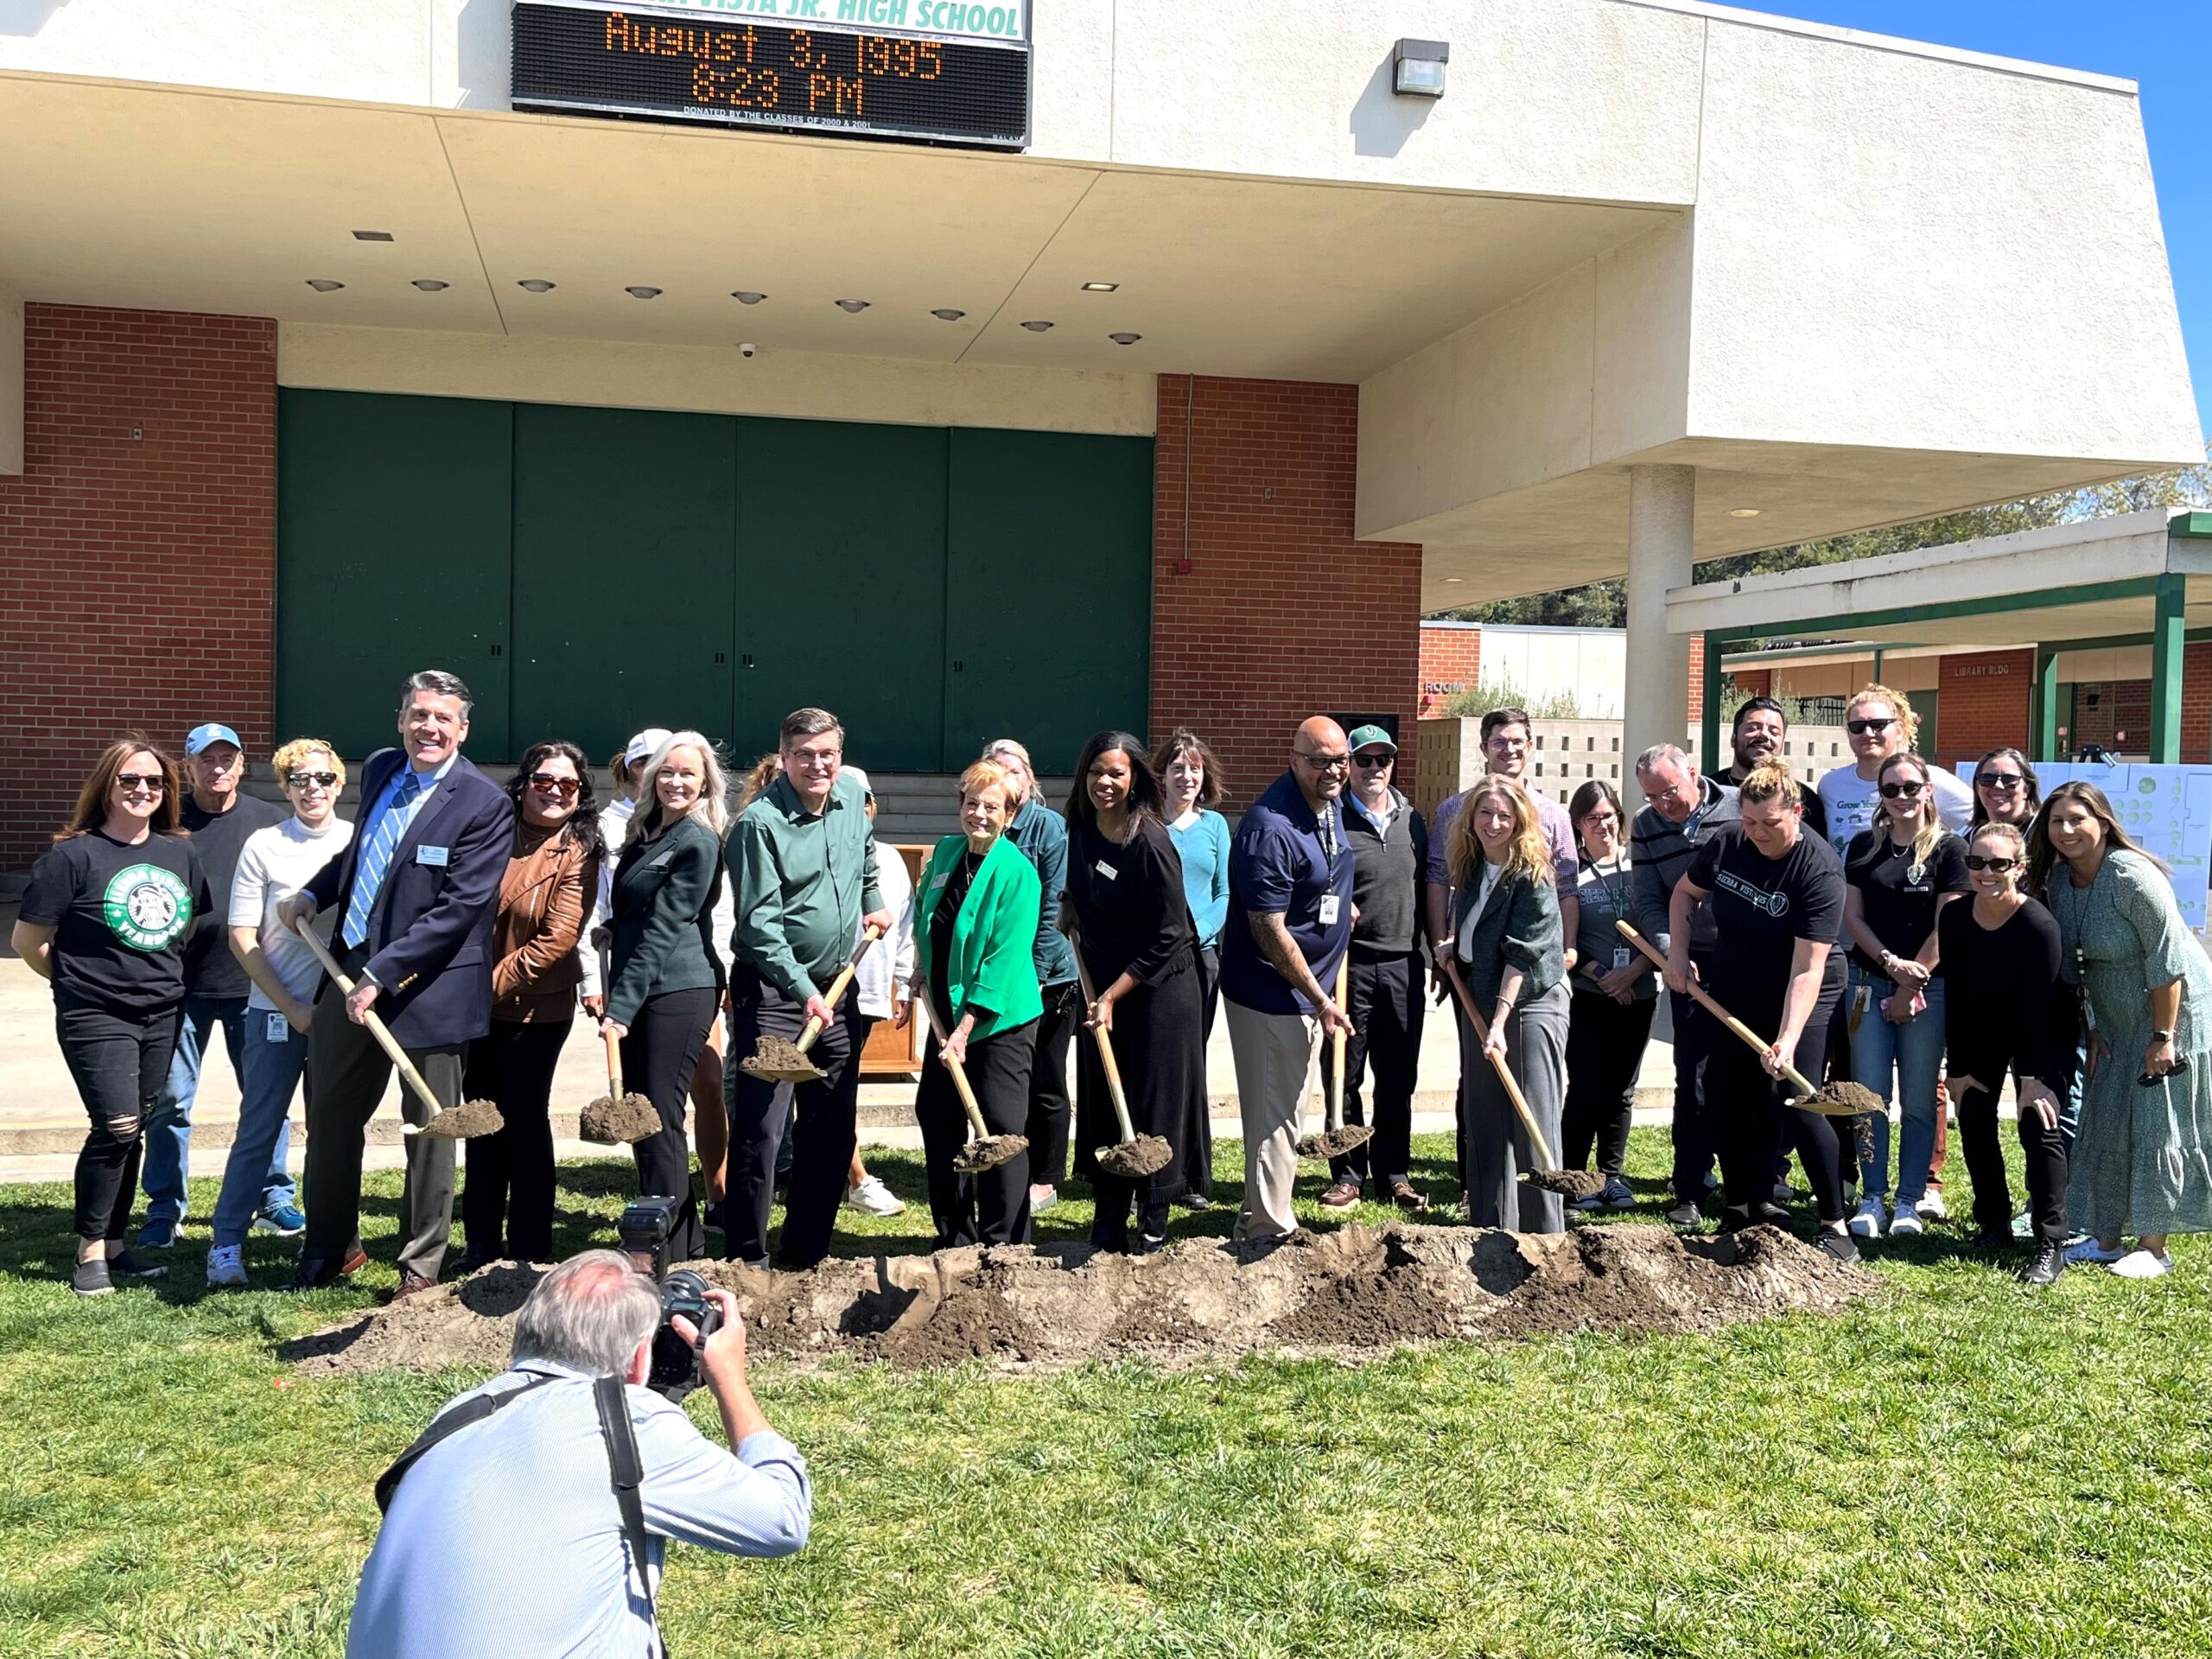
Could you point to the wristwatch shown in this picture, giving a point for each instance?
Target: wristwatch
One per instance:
(2162, 1036)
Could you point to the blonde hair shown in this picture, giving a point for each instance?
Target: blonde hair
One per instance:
(981, 775)
(1872, 691)
(1770, 780)
(2003, 831)
(298, 749)
(1930, 830)
(713, 807)
(1526, 853)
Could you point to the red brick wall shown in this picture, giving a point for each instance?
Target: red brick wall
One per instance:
(2197, 703)
(138, 549)
(1753, 682)
(1982, 700)
(1280, 614)
(1450, 662)
(1697, 677)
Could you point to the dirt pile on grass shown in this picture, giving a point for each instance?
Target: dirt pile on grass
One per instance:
(1359, 1291)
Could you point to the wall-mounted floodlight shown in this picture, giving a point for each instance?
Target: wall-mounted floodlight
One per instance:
(1421, 68)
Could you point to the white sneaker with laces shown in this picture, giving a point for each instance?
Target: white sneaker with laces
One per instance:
(1905, 1222)
(1931, 1204)
(1867, 1224)
(2087, 1249)
(226, 1267)
(2144, 1264)
(873, 1196)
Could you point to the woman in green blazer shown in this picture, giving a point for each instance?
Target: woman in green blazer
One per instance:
(666, 979)
(975, 928)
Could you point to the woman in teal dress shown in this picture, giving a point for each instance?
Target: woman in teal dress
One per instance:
(2140, 1163)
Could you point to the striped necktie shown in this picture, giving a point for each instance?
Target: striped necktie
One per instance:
(376, 858)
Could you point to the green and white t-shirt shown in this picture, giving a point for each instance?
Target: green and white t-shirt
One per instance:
(120, 913)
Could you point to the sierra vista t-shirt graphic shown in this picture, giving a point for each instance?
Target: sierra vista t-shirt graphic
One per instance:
(146, 906)
(1774, 903)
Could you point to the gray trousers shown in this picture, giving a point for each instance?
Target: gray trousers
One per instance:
(1275, 1056)
(348, 1074)
(1494, 1145)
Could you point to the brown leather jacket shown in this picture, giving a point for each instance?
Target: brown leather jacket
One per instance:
(543, 901)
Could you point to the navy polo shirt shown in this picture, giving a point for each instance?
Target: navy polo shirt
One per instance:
(1277, 862)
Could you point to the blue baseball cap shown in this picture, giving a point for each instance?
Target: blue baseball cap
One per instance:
(201, 736)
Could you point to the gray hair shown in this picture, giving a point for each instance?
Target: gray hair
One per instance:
(437, 681)
(999, 747)
(1668, 754)
(589, 1315)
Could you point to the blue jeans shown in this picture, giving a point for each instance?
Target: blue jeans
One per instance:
(1913, 1053)
(254, 1178)
(168, 1126)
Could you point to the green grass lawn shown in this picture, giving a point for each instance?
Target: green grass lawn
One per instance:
(1956, 1467)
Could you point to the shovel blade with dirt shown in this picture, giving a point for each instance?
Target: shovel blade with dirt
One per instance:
(1336, 1139)
(617, 1119)
(1134, 1157)
(986, 1151)
(1546, 1177)
(778, 1059)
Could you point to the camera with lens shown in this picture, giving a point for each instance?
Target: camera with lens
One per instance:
(675, 1364)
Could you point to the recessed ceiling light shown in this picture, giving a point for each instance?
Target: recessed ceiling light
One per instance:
(1455, 578)
(1100, 287)
(1036, 328)
(324, 285)
(747, 296)
(948, 315)
(854, 306)
(1125, 339)
(372, 236)
(430, 284)
(1743, 512)
(639, 291)
(535, 285)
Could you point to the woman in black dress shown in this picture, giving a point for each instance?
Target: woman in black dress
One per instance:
(1132, 928)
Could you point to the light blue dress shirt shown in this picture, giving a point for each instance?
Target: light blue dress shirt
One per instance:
(506, 1539)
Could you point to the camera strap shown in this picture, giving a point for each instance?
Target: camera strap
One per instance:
(460, 1417)
(625, 1470)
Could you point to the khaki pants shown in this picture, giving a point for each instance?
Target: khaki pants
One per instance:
(1276, 1055)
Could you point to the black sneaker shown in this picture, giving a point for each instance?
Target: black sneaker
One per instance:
(125, 1265)
(1838, 1245)
(2044, 1267)
(91, 1279)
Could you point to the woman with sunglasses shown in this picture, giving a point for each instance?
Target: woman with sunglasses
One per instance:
(1881, 722)
(545, 900)
(2140, 1163)
(275, 863)
(1609, 1021)
(1901, 874)
(105, 920)
(2005, 1009)
(2006, 790)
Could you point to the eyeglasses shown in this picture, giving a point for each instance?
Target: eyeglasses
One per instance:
(1891, 791)
(1373, 761)
(1999, 779)
(1326, 762)
(1861, 728)
(546, 784)
(1976, 861)
(152, 782)
(322, 779)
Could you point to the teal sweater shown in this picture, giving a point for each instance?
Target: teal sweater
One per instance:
(993, 936)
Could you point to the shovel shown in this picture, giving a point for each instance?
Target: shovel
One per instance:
(1567, 1183)
(776, 1060)
(1138, 1155)
(616, 1119)
(986, 1151)
(1837, 1100)
(466, 1121)
(1338, 1140)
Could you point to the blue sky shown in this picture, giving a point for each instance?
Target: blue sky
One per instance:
(2161, 44)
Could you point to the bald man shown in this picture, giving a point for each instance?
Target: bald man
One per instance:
(1290, 875)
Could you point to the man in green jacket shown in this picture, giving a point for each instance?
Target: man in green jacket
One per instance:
(802, 866)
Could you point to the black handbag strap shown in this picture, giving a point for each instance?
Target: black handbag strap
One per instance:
(625, 1470)
(476, 1411)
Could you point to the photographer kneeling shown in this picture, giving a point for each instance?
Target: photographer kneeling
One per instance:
(521, 1530)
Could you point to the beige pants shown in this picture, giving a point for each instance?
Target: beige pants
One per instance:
(1276, 1055)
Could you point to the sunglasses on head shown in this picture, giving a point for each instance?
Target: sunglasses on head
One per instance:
(545, 783)
(1891, 792)
(1861, 728)
(1976, 861)
(152, 782)
(1999, 779)
(301, 780)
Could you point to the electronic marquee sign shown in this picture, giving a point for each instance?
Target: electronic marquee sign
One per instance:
(942, 72)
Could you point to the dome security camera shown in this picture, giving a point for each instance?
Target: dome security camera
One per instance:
(747, 348)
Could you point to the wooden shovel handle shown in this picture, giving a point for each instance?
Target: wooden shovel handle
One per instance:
(1105, 1049)
(613, 1060)
(1338, 1039)
(1544, 1158)
(837, 987)
(959, 1072)
(377, 1028)
(1699, 995)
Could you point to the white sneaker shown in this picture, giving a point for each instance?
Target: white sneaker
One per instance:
(226, 1267)
(1931, 1204)
(1867, 1224)
(873, 1196)
(2144, 1264)
(1905, 1222)
(2087, 1249)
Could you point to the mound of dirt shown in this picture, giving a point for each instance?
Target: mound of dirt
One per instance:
(1356, 1293)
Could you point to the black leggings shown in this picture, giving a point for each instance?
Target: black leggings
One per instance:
(658, 1057)
(119, 1065)
(2045, 1148)
(991, 1207)
(506, 1202)
(1749, 1117)
(1606, 1041)
(1048, 1111)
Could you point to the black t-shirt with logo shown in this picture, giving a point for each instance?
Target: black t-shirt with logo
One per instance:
(120, 915)
(210, 967)
(1896, 898)
(1761, 907)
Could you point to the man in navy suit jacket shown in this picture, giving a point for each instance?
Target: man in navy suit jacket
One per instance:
(415, 892)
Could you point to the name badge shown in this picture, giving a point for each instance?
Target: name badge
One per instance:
(1329, 908)
(440, 857)
(1107, 870)
(280, 1029)
(661, 861)
(1622, 957)
(938, 885)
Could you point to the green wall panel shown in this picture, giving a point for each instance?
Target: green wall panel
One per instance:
(625, 525)
(841, 586)
(392, 538)
(1048, 591)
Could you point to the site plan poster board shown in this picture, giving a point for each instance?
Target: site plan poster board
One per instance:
(2167, 810)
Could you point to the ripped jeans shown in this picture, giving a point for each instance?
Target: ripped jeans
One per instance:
(119, 1065)
(1910, 1057)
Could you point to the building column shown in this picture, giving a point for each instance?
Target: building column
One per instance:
(2166, 646)
(2044, 722)
(1662, 503)
(11, 385)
